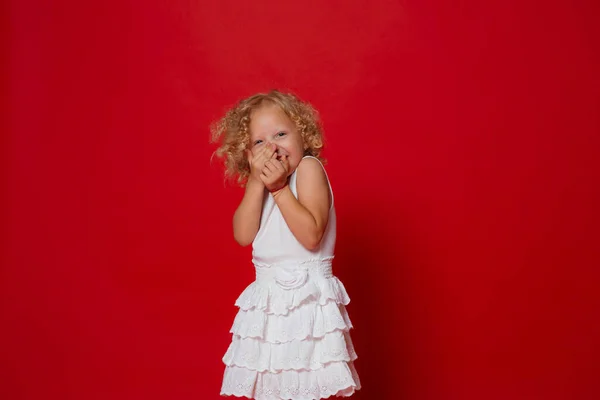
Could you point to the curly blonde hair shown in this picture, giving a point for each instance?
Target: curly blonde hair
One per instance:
(232, 134)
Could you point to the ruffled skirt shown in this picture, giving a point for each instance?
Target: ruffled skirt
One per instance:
(291, 337)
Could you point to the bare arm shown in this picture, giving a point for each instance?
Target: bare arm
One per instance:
(246, 219)
(308, 215)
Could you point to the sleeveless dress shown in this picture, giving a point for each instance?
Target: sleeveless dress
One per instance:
(291, 334)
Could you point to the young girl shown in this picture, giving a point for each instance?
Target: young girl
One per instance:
(291, 334)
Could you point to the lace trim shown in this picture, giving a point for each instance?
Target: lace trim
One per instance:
(344, 384)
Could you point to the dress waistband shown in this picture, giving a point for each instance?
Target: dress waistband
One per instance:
(293, 274)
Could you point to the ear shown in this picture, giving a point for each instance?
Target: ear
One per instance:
(249, 156)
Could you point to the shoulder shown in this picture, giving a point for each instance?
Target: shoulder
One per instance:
(311, 168)
(311, 178)
(309, 162)
(313, 184)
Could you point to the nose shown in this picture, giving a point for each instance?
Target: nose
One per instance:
(273, 145)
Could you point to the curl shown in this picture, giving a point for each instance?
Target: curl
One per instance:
(232, 133)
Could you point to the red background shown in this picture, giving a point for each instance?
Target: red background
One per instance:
(462, 143)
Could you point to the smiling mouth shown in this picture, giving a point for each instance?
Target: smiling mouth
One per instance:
(280, 155)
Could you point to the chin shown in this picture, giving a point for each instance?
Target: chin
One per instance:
(293, 167)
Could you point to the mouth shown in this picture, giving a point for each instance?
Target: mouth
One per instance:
(280, 156)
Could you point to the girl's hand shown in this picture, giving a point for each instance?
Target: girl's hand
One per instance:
(257, 161)
(275, 174)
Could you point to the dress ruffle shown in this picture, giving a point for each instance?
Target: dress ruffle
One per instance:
(273, 299)
(335, 379)
(258, 355)
(310, 320)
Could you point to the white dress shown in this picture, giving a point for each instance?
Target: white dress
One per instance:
(291, 334)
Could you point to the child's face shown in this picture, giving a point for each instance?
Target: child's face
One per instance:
(269, 124)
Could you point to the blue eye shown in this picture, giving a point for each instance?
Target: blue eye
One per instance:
(280, 134)
(257, 142)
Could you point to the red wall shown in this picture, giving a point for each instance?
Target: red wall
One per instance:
(463, 143)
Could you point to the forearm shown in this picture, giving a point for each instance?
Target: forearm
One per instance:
(246, 219)
(299, 219)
